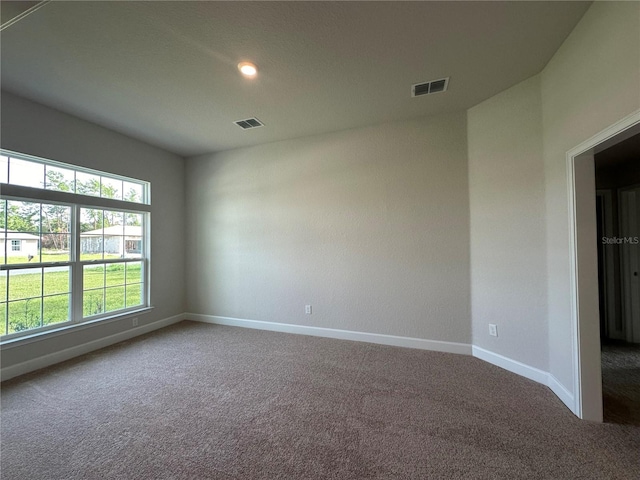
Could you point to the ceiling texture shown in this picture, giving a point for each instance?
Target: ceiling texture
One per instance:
(166, 72)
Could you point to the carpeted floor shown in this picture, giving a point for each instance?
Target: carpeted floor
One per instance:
(197, 401)
(621, 383)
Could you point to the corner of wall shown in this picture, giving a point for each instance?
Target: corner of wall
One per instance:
(508, 246)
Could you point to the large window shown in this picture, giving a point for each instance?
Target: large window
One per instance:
(73, 245)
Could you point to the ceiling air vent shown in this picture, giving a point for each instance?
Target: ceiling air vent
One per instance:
(249, 123)
(434, 86)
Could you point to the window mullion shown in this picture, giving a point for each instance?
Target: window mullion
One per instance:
(6, 229)
(76, 269)
(146, 255)
(41, 269)
(6, 305)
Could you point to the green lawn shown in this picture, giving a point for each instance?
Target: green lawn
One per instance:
(117, 287)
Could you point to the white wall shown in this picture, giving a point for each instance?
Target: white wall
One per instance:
(518, 142)
(370, 226)
(37, 130)
(592, 82)
(508, 242)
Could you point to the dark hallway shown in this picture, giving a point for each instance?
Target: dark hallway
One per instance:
(617, 183)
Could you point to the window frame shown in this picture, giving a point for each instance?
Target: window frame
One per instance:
(76, 202)
(14, 244)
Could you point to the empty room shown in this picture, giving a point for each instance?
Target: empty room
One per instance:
(308, 240)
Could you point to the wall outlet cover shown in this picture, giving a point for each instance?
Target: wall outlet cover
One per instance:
(493, 330)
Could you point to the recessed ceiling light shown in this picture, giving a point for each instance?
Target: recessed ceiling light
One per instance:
(248, 69)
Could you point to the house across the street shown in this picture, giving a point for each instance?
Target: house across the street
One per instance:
(19, 244)
(124, 241)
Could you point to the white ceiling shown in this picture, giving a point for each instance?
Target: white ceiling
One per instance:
(165, 72)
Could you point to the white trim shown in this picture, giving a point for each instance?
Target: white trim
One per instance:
(580, 401)
(511, 365)
(573, 274)
(607, 134)
(69, 327)
(146, 185)
(21, 192)
(20, 16)
(501, 361)
(409, 342)
(77, 350)
(526, 371)
(560, 390)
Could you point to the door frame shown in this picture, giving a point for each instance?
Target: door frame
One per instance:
(629, 255)
(585, 323)
(609, 265)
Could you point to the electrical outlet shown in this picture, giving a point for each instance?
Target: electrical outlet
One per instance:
(493, 330)
(307, 309)
(134, 322)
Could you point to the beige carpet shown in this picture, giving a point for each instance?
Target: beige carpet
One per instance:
(197, 401)
(621, 383)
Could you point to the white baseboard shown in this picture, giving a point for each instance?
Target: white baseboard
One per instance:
(77, 350)
(527, 371)
(509, 364)
(514, 366)
(563, 394)
(409, 342)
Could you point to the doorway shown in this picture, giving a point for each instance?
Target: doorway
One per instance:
(584, 265)
(617, 178)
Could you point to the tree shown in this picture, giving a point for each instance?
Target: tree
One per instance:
(23, 217)
(56, 181)
(90, 187)
(56, 218)
(132, 196)
(91, 218)
(94, 219)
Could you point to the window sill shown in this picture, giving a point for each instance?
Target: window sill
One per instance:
(40, 336)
